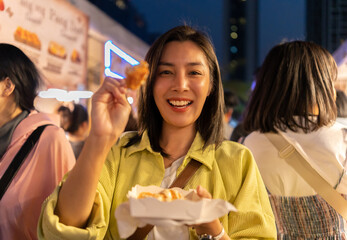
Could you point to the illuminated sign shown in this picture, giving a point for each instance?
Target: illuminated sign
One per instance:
(109, 48)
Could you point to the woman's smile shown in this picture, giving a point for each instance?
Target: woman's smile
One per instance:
(179, 105)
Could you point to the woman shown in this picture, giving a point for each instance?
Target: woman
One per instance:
(295, 97)
(46, 163)
(180, 118)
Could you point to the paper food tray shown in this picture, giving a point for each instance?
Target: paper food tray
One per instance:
(180, 209)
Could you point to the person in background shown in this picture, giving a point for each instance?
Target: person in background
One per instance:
(65, 117)
(180, 120)
(239, 133)
(47, 162)
(230, 102)
(78, 129)
(341, 104)
(295, 97)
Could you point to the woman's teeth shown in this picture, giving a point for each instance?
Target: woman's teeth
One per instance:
(179, 103)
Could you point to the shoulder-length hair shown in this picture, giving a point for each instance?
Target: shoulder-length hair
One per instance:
(16, 66)
(210, 122)
(296, 79)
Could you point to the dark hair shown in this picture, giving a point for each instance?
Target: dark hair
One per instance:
(210, 122)
(132, 123)
(79, 115)
(296, 78)
(65, 117)
(230, 100)
(341, 104)
(16, 66)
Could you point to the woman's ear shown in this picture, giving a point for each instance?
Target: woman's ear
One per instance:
(8, 87)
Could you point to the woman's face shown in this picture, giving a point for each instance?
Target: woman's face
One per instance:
(182, 83)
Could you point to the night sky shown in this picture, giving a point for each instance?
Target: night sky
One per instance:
(278, 19)
(161, 15)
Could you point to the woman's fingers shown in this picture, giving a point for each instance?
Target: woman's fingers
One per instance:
(202, 192)
(111, 90)
(110, 110)
(113, 86)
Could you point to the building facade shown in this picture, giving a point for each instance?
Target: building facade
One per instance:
(326, 22)
(243, 39)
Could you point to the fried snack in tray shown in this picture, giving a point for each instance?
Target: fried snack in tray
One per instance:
(166, 195)
(137, 75)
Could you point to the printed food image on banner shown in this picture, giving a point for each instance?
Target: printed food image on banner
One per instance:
(57, 50)
(75, 56)
(27, 37)
(53, 33)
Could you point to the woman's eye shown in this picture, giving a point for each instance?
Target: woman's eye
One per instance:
(195, 73)
(164, 72)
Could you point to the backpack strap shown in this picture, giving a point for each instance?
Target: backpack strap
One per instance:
(18, 160)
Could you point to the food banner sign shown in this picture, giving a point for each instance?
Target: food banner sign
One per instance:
(53, 33)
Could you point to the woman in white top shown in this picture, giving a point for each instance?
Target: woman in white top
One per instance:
(295, 96)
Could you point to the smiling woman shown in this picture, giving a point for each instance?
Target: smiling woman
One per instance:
(182, 85)
(180, 123)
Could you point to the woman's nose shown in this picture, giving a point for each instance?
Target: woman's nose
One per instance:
(180, 82)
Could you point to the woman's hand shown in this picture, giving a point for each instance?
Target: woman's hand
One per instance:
(110, 109)
(212, 228)
(110, 113)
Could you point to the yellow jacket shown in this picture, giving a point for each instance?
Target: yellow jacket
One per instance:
(228, 173)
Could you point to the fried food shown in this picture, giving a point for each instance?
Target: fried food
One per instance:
(137, 75)
(166, 195)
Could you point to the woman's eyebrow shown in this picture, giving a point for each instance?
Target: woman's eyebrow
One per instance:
(195, 64)
(189, 64)
(165, 64)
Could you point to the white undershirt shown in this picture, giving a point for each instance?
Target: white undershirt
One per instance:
(180, 232)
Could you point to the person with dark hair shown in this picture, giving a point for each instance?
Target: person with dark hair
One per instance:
(230, 102)
(180, 122)
(78, 128)
(294, 100)
(65, 117)
(46, 163)
(341, 105)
